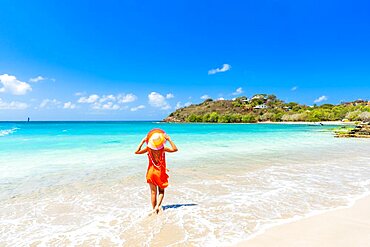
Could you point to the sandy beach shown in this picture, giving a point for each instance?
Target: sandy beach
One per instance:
(311, 123)
(341, 227)
(79, 184)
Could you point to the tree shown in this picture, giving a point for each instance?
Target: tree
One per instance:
(235, 118)
(249, 119)
(224, 119)
(206, 117)
(194, 118)
(364, 116)
(236, 103)
(267, 116)
(271, 97)
(241, 98)
(213, 117)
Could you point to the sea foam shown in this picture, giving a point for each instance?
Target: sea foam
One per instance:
(226, 183)
(7, 131)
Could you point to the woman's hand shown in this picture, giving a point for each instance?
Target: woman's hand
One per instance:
(173, 146)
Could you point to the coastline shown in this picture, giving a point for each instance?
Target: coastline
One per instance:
(348, 226)
(312, 123)
(269, 122)
(64, 194)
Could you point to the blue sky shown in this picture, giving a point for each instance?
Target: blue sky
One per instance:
(139, 60)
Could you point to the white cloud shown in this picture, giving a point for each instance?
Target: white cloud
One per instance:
(294, 88)
(126, 98)
(91, 99)
(238, 91)
(158, 100)
(178, 105)
(170, 96)
(110, 106)
(37, 79)
(107, 102)
(13, 86)
(221, 98)
(69, 105)
(13, 105)
(225, 67)
(188, 103)
(137, 108)
(204, 97)
(106, 106)
(49, 103)
(320, 99)
(107, 98)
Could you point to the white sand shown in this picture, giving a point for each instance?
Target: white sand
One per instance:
(316, 123)
(343, 227)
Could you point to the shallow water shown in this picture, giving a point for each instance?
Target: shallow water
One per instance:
(80, 183)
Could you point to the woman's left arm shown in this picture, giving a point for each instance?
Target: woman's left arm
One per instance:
(173, 146)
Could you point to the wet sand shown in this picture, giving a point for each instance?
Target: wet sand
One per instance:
(226, 183)
(312, 123)
(341, 227)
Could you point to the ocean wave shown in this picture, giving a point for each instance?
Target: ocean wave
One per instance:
(8, 131)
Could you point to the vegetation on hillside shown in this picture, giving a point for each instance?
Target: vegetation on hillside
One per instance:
(263, 107)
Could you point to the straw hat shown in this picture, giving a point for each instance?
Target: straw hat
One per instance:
(155, 139)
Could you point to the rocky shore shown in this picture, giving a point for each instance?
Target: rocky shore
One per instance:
(360, 131)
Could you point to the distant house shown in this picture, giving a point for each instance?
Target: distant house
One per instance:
(263, 106)
(245, 100)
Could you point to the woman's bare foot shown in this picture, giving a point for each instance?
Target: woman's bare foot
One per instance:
(156, 209)
(152, 212)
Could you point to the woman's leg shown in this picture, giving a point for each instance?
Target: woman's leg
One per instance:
(153, 194)
(160, 199)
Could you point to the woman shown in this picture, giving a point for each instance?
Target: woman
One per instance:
(156, 175)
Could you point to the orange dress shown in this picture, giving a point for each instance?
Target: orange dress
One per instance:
(156, 173)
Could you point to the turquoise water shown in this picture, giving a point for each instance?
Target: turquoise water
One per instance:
(64, 183)
(21, 144)
(41, 136)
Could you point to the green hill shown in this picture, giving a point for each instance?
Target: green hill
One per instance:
(264, 107)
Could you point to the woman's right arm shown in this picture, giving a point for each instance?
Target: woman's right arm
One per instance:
(139, 150)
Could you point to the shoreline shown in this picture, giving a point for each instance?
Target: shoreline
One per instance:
(268, 122)
(342, 226)
(312, 123)
(161, 121)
